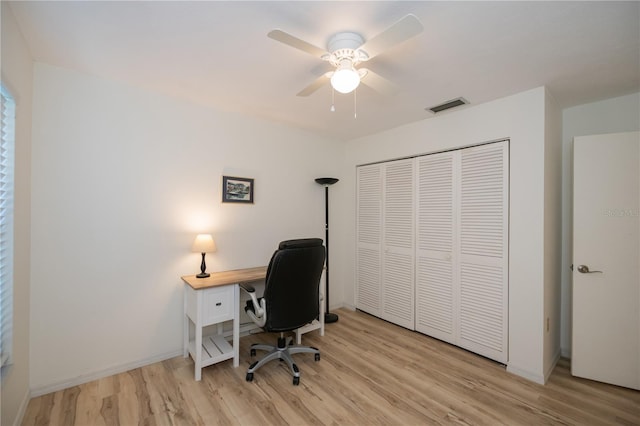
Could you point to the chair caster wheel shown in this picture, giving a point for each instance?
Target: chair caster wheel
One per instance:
(296, 381)
(253, 352)
(249, 377)
(317, 357)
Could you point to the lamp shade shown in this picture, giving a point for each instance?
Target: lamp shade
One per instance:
(204, 244)
(326, 181)
(345, 79)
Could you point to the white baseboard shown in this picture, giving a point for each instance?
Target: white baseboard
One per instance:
(54, 387)
(22, 409)
(344, 305)
(537, 378)
(547, 373)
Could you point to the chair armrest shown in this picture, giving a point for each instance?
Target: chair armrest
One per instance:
(258, 314)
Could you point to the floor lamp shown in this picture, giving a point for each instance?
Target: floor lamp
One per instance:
(326, 182)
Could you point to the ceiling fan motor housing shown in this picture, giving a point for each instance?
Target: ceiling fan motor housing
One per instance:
(344, 46)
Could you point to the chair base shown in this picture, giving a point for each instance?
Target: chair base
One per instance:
(283, 352)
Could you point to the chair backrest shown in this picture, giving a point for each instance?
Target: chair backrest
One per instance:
(292, 284)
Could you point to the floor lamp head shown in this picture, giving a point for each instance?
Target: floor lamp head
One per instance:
(326, 181)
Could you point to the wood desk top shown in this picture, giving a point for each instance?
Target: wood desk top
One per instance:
(226, 277)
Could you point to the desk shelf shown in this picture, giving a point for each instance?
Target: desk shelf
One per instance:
(215, 348)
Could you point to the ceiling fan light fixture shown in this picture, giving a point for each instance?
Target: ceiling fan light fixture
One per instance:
(345, 79)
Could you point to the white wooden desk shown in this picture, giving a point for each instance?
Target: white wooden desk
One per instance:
(209, 301)
(214, 300)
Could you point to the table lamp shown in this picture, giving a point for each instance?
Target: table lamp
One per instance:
(203, 244)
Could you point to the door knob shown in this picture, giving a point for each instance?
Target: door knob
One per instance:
(584, 269)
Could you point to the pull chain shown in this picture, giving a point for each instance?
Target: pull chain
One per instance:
(355, 104)
(333, 95)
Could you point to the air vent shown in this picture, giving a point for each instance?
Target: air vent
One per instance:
(447, 105)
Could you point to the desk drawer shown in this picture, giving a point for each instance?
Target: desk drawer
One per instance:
(217, 305)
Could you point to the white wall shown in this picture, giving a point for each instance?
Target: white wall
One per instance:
(621, 114)
(522, 119)
(17, 75)
(123, 180)
(552, 233)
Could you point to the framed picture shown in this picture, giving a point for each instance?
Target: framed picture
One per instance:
(237, 190)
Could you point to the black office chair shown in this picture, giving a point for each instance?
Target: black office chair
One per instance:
(290, 300)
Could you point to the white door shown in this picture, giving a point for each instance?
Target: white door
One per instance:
(462, 248)
(397, 243)
(436, 281)
(385, 228)
(606, 258)
(483, 262)
(369, 235)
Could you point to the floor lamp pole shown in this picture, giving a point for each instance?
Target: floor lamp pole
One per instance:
(326, 182)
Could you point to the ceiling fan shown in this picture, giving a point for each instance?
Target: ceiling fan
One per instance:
(346, 50)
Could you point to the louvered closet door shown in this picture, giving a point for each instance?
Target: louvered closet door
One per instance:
(398, 243)
(369, 239)
(436, 281)
(483, 240)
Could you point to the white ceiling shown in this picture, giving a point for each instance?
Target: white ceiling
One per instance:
(217, 53)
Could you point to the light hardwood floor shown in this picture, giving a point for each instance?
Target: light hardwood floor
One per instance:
(371, 373)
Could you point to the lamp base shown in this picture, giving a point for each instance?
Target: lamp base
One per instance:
(330, 317)
(203, 275)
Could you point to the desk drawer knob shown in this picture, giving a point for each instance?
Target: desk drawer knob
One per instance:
(219, 304)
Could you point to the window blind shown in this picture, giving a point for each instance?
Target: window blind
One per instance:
(7, 143)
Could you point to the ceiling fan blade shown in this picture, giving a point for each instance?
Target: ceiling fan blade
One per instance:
(402, 30)
(295, 42)
(379, 83)
(317, 83)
